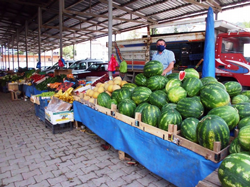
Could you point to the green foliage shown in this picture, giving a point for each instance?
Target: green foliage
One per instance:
(68, 52)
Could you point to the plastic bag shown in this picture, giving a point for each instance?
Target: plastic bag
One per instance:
(57, 105)
(112, 64)
(123, 67)
(60, 63)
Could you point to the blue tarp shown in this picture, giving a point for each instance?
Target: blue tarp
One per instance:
(208, 68)
(36, 92)
(29, 90)
(175, 164)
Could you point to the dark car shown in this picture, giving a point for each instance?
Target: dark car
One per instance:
(95, 69)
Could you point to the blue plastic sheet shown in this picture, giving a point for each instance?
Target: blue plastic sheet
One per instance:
(29, 90)
(208, 68)
(36, 92)
(175, 164)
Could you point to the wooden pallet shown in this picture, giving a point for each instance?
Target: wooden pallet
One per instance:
(211, 180)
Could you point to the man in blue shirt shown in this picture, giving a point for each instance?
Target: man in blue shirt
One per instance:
(164, 56)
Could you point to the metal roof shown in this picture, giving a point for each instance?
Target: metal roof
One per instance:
(86, 20)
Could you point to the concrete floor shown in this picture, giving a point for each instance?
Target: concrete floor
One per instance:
(30, 155)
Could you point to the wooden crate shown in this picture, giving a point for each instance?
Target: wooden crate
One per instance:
(14, 95)
(62, 72)
(13, 86)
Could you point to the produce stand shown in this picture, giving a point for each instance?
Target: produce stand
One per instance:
(174, 163)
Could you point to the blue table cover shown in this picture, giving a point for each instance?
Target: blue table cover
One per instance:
(174, 163)
(36, 92)
(29, 90)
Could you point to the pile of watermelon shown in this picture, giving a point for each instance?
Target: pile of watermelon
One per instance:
(205, 110)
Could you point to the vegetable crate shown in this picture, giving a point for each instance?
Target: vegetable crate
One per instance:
(13, 86)
(59, 128)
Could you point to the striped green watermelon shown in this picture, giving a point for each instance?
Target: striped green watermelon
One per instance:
(152, 68)
(150, 115)
(141, 94)
(240, 99)
(156, 82)
(233, 88)
(235, 146)
(214, 97)
(115, 94)
(103, 99)
(140, 107)
(110, 102)
(244, 122)
(243, 109)
(129, 86)
(246, 93)
(140, 80)
(214, 85)
(190, 107)
(175, 94)
(168, 106)
(172, 83)
(173, 76)
(244, 137)
(170, 117)
(123, 94)
(127, 107)
(234, 171)
(158, 98)
(191, 72)
(229, 114)
(211, 129)
(192, 86)
(207, 80)
(188, 129)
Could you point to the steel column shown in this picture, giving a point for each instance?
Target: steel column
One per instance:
(90, 49)
(13, 53)
(17, 42)
(9, 55)
(61, 8)
(5, 56)
(52, 57)
(26, 43)
(44, 59)
(39, 34)
(110, 21)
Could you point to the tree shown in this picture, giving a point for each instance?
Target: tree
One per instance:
(176, 30)
(154, 31)
(246, 24)
(133, 34)
(68, 52)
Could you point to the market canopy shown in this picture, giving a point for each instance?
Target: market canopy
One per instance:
(87, 20)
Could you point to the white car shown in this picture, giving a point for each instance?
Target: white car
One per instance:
(81, 65)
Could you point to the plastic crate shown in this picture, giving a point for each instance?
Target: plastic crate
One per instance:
(37, 107)
(59, 128)
(41, 114)
(44, 102)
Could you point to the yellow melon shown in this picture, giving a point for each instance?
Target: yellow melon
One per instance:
(108, 93)
(123, 82)
(118, 78)
(101, 89)
(110, 88)
(86, 98)
(95, 89)
(95, 95)
(110, 82)
(106, 87)
(117, 82)
(92, 100)
(98, 84)
(91, 92)
(116, 87)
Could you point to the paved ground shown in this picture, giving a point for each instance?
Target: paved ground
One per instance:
(30, 155)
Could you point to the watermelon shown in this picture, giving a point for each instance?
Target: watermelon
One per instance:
(190, 107)
(243, 109)
(214, 97)
(140, 107)
(168, 106)
(182, 75)
(170, 117)
(211, 129)
(192, 86)
(150, 115)
(140, 80)
(175, 94)
(103, 99)
(214, 84)
(244, 137)
(141, 94)
(110, 102)
(130, 86)
(127, 107)
(229, 114)
(158, 98)
(172, 83)
(123, 94)
(235, 146)
(191, 72)
(233, 88)
(173, 76)
(244, 122)
(156, 82)
(234, 171)
(152, 68)
(206, 80)
(115, 94)
(246, 93)
(188, 129)
(240, 99)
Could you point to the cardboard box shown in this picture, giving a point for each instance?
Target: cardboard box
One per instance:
(59, 117)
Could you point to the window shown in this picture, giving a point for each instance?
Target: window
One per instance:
(82, 65)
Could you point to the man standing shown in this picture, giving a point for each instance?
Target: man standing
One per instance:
(164, 56)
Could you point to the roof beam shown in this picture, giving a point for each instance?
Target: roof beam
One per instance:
(202, 5)
(71, 28)
(24, 3)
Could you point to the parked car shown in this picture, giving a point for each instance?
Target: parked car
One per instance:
(95, 69)
(52, 69)
(81, 65)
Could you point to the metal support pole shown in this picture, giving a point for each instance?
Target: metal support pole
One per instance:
(61, 8)
(90, 50)
(5, 56)
(26, 42)
(39, 34)
(52, 57)
(17, 42)
(44, 59)
(110, 21)
(13, 52)
(9, 55)
(216, 16)
(74, 47)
